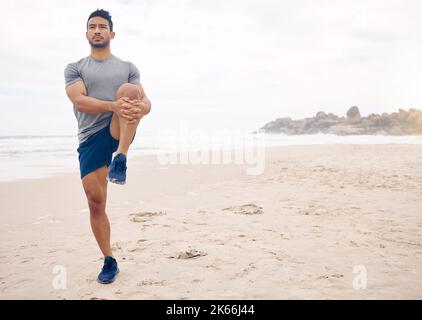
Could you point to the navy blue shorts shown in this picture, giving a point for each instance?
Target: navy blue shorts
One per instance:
(97, 151)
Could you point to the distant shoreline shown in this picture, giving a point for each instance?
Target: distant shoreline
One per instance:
(26, 161)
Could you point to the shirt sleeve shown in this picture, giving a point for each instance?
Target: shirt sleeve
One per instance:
(71, 74)
(134, 76)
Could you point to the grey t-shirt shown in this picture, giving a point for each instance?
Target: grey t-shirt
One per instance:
(102, 78)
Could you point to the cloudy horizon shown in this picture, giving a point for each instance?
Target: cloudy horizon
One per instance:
(218, 63)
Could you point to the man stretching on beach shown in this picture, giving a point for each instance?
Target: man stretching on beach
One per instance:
(108, 102)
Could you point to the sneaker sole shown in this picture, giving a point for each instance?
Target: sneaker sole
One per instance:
(113, 180)
(109, 281)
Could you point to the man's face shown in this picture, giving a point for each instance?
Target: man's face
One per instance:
(98, 33)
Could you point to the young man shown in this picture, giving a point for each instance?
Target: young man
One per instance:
(108, 102)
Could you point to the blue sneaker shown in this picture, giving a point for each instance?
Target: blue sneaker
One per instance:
(109, 271)
(117, 172)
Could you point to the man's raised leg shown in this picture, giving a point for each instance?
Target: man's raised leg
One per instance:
(123, 130)
(126, 129)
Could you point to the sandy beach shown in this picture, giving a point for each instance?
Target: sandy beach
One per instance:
(317, 218)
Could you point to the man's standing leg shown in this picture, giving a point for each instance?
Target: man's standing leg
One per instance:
(95, 186)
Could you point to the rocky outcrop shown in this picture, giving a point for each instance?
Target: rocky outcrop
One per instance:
(353, 115)
(397, 123)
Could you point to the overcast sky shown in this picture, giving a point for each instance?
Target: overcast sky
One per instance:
(212, 63)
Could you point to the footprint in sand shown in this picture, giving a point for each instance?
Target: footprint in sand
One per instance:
(353, 244)
(145, 215)
(188, 254)
(330, 276)
(245, 271)
(117, 246)
(151, 282)
(249, 208)
(139, 247)
(212, 267)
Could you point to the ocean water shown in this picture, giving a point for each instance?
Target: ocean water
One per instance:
(28, 157)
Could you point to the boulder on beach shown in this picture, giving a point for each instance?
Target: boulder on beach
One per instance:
(397, 123)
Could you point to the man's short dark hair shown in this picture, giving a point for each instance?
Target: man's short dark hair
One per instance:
(103, 14)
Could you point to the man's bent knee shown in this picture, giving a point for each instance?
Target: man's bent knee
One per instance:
(129, 90)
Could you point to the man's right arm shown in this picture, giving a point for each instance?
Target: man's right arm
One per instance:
(83, 103)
